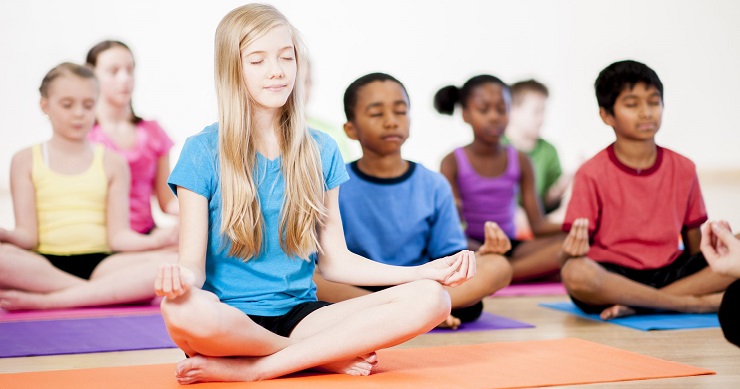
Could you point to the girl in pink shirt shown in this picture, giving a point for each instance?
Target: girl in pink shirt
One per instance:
(143, 143)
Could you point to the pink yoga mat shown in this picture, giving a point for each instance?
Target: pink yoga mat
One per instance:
(533, 289)
(73, 313)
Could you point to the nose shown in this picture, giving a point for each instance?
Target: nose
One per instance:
(646, 111)
(391, 121)
(276, 71)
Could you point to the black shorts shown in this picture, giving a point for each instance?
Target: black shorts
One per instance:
(80, 265)
(283, 325)
(514, 244)
(465, 314)
(684, 266)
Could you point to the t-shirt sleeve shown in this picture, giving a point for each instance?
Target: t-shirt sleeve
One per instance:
(195, 169)
(159, 142)
(584, 202)
(446, 235)
(696, 213)
(332, 164)
(554, 169)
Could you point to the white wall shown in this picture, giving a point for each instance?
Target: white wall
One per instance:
(693, 45)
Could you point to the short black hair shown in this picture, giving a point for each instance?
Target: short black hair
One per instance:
(446, 98)
(350, 95)
(619, 75)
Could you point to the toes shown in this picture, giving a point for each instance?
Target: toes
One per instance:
(371, 358)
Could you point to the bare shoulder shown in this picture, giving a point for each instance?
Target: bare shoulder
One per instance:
(114, 163)
(449, 163)
(22, 160)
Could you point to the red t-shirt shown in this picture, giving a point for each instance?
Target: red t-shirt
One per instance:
(636, 217)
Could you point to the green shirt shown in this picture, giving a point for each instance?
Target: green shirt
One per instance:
(546, 166)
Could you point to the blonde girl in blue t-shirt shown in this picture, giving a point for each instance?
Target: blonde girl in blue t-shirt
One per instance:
(72, 245)
(258, 194)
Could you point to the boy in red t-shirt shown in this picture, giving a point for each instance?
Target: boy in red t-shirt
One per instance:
(630, 204)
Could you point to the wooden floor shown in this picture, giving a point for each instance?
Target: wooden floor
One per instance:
(703, 348)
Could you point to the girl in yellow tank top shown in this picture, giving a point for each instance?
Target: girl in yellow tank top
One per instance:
(72, 245)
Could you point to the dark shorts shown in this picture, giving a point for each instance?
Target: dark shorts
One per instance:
(80, 265)
(514, 244)
(283, 325)
(684, 266)
(465, 314)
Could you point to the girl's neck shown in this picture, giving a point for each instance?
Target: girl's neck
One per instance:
(65, 145)
(112, 114)
(265, 133)
(520, 142)
(382, 166)
(637, 154)
(481, 148)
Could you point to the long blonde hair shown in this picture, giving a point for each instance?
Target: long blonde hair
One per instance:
(303, 207)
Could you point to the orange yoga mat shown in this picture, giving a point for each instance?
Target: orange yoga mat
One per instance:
(484, 366)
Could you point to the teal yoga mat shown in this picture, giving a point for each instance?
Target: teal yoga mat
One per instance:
(649, 322)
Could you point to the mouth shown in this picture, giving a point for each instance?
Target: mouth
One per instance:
(392, 138)
(276, 88)
(647, 127)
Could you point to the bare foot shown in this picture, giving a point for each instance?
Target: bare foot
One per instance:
(209, 369)
(359, 366)
(200, 368)
(708, 303)
(616, 311)
(13, 300)
(451, 323)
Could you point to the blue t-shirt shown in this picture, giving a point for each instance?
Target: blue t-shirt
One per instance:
(405, 221)
(271, 283)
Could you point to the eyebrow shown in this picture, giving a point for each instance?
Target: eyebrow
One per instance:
(264, 51)
(379, 104)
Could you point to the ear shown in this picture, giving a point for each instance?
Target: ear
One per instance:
(44, 104)
(465, 116)
(350, 130)
(606, 117)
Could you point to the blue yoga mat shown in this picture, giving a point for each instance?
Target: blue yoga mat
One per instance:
(77, 336)
(660, 321)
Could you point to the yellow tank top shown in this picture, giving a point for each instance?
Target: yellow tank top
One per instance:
(71, 208)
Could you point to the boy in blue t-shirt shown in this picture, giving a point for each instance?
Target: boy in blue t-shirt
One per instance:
(398, 212)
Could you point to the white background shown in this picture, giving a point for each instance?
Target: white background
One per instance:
(693, 45)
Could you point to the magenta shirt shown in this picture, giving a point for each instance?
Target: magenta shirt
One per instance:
(151, 144)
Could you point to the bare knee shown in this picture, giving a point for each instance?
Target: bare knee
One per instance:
(580, 276)
(8, 254)
(430, 299)
(494, 272)
(191, 316)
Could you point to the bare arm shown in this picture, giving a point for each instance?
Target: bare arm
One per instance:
(530, 202)
(448, 168)
(168, 203)
(338, 264)
(692, 240)
(120, 235)
(175, 280)
(25, 234)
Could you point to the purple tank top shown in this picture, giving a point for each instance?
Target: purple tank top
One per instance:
(488, 198)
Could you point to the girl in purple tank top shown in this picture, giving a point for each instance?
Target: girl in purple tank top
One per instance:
(486, 177)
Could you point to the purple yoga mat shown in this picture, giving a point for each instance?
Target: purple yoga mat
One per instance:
(486, 322)
(77, 336)
(532, 289)
(74, 313)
